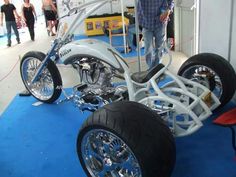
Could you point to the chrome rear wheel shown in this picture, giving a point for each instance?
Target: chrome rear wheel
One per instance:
(205, 76)
(105, 154)
(126, 139)
(212, 71)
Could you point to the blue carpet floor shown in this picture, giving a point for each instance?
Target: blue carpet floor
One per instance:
(208, 152)
(41, 142)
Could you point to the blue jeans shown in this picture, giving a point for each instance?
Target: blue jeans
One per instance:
(153, 41)
(9, 25)
(131, 32)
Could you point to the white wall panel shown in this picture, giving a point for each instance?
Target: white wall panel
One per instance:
(184, 26)
(187, 30)
(215, 26)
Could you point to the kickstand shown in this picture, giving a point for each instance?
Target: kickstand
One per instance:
(67, 97)
(25, 93)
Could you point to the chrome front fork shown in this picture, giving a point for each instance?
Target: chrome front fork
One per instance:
(44, 63)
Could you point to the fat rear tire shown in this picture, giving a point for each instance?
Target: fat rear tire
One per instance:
(220, 66)
(143, 132)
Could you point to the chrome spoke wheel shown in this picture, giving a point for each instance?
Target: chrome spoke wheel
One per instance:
(106, 155)
(205, 76)
(43, 88)
(125, 139)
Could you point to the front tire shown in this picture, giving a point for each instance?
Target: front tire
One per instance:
(212, 71)
(126, 139)
(47, 88)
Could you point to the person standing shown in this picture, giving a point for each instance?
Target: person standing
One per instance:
(131, 29)
(9, 11)
(29, 16)
(50, 15)
(153, 17)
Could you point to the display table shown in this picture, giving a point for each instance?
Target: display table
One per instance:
(94, 25)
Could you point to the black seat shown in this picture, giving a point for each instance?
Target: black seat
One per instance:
(144, 76)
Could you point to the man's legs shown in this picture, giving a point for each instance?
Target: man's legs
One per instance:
(160, 37)
(131, 32)
(148, 40)
(16, 31)
(8, 26)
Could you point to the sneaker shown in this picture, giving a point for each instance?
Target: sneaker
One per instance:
(8, 45)
(18, 42)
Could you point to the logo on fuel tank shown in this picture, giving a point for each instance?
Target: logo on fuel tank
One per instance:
(65, 52)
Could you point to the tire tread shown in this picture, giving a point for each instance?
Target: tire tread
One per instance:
(143, 131)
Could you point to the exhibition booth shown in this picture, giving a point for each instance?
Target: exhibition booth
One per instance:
(125, 115)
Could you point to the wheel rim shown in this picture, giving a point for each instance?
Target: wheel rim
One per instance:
(106, 155)
(205, 76)
(43, 88)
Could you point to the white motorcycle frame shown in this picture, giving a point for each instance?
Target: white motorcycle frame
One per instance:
(193, 113)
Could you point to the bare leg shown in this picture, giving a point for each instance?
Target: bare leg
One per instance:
(50, 27)
(55, 25)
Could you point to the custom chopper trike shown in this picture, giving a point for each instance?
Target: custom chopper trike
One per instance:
(130, 132)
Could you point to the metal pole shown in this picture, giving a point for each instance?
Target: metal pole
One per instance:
(137, 35)
(197, 26)
(111, 7)
(123, 22)
(194, 27)
(180, 28)
(231, 30)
